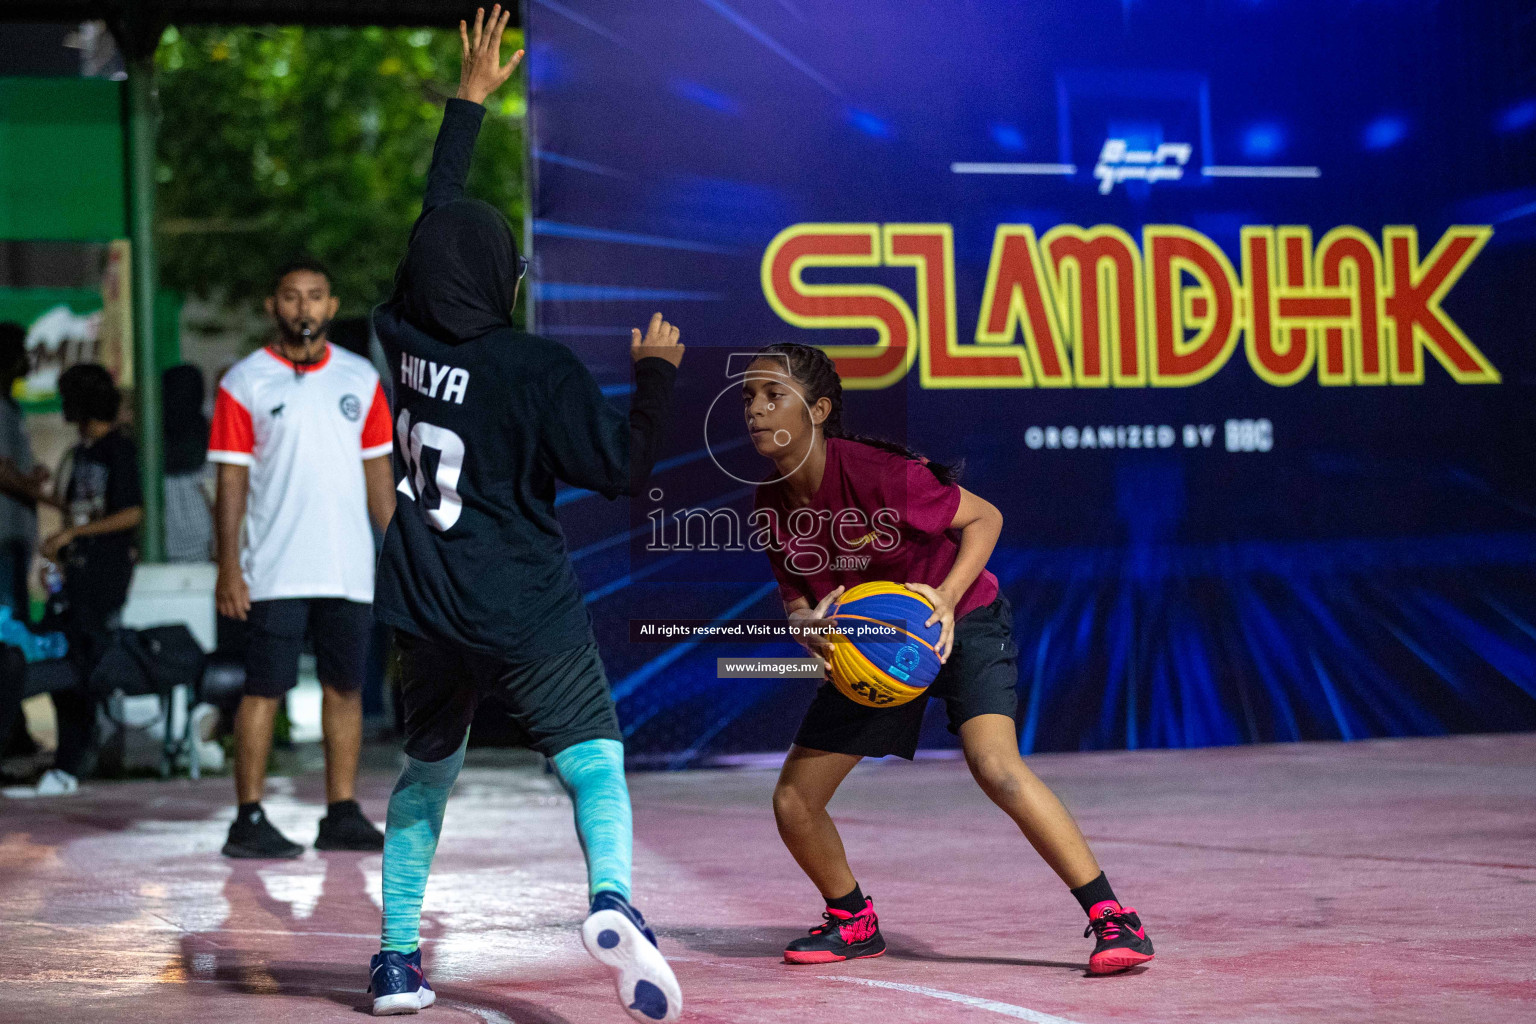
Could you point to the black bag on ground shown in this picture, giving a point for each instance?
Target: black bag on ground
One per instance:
(148, 661)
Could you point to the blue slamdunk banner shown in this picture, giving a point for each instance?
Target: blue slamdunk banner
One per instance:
(1229, 306)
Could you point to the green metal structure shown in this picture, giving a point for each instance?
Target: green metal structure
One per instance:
(137, 26)
(139, 98)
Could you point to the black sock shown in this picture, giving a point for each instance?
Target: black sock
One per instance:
(336, 806)
(850, 904)
(250, 813)
(1096, 891)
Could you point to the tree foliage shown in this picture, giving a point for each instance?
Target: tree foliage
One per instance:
(281, 141)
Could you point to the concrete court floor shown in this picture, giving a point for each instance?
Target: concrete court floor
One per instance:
(1381, 881)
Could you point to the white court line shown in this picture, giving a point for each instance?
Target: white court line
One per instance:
(995, 168)
(1262, 172)
(487, 1015)
(496, 1017)
(975, 1002)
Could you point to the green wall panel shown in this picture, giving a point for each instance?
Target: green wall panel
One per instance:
(61, 159)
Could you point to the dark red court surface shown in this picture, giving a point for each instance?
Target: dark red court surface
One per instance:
(1379, 881)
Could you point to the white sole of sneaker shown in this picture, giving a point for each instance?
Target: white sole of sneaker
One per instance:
(404, 1002)
(647, 987)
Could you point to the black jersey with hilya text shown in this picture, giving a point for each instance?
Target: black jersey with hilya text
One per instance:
(487, 420)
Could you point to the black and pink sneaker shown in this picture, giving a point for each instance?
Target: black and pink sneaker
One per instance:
(840, 936)
(1122, 941)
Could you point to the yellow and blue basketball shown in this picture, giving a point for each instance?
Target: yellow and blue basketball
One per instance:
(894, 667)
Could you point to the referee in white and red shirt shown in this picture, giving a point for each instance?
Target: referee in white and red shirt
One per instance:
(302, 435)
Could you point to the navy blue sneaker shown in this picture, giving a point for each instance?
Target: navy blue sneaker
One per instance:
(617, 937)
(397, 984)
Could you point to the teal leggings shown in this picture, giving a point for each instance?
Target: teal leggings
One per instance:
(592, 773)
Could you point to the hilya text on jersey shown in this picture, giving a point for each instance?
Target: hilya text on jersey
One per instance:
(435, 380)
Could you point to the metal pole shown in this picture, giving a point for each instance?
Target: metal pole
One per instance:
(142, 125)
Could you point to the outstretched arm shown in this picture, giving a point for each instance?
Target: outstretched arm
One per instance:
(590, 444)
(482, 74)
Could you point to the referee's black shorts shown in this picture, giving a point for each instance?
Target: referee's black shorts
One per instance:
(553, 702)
(339, 631)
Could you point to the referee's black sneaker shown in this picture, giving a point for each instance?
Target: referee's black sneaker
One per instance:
(345, 828)
(253, 836)
(1122, 941)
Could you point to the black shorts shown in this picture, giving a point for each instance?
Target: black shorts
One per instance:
(339, 631)
(553, 703)
(980, 678)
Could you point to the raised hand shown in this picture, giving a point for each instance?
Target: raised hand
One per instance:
(482, 72)
(660, 341)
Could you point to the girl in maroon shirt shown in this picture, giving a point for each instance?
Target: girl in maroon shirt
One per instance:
(844, 510)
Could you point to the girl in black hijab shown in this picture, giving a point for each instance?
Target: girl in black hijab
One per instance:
(474, 575)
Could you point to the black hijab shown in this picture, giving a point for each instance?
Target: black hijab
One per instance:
(459, 276)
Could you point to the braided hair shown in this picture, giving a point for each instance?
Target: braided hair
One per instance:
(817, 376)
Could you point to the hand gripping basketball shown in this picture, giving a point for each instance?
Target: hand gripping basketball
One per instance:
(884, 644)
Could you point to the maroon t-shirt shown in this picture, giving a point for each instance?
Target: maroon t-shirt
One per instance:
(876, 516)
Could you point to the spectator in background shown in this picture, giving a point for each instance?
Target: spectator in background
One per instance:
(102, 507)
(188, 514)
(20, 479)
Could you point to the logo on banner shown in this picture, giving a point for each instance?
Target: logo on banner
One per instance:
(1118, 163)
